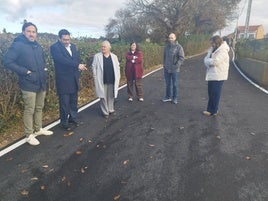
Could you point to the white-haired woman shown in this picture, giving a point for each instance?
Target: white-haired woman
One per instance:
(106, 73)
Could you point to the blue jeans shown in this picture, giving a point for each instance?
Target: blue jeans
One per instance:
(214, 94)
(171, 78)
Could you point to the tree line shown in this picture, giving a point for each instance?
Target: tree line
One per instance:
(153, 20)
(193, 22)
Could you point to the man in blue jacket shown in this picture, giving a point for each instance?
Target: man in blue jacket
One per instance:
(25, 57)
(67, 71)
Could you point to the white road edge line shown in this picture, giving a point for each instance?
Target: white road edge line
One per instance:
(23, 141)
(247, 78)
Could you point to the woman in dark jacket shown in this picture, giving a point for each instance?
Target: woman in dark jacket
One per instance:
(134, 71)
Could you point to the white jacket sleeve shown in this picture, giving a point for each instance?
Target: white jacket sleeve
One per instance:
(207, 60)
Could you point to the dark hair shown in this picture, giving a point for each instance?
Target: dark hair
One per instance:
(217, 40)
(137, 46)
(63, 32)
(226, 39)
(27, 24)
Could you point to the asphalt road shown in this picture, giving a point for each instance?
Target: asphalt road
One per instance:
(152, 151)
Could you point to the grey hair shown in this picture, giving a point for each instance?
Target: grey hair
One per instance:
(106, 42)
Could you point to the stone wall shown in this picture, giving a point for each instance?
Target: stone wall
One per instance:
(255, 70)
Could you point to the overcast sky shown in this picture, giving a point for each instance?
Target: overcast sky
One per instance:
(258, 15)
(89, 17)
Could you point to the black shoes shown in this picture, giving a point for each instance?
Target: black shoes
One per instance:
(72, 124)
(76, 123)
(64, 127)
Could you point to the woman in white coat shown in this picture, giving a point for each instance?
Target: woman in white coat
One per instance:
(106, 74)
(217, 63)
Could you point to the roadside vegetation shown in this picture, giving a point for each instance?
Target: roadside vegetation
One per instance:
(11, 103)
(146, 22)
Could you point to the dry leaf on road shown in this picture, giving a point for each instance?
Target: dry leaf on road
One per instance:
(69, 183)
(248, 157)
(126, 162)
(82, 170)
(78, 152)
(63, 179)
(51, 170)
(116, 198)
(68, 134)
(24, 192)
(24, 170)
(34, 179)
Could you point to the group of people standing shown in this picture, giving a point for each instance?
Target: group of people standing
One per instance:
(25, 57)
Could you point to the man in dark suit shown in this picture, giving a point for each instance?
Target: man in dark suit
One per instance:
(67, 72)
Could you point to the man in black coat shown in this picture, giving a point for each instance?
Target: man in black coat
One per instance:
(25, 57)
(67, 72)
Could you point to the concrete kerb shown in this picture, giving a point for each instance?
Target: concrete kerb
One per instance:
(247, 78)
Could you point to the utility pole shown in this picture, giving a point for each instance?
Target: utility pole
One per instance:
(248, 17)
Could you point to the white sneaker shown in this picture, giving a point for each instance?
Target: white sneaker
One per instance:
(32, 140)
(165, 99)
(43, 132)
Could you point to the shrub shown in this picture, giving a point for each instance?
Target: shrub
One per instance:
(11, 104)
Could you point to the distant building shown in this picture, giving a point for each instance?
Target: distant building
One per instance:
(254, 32)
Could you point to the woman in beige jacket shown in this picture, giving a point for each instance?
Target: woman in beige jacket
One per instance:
(217, 63)
(106, 74)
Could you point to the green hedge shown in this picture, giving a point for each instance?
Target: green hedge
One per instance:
(11, 104)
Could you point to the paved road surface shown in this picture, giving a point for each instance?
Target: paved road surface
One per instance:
(152, 151)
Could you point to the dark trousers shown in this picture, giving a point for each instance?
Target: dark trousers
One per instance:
(138, 87)
(68, 107)
(172, 80)
(214, 94)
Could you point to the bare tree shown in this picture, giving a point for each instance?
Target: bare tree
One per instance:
(170, 16)
(127, 26)
(212, 15)
(155, 19)
(115, 29)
